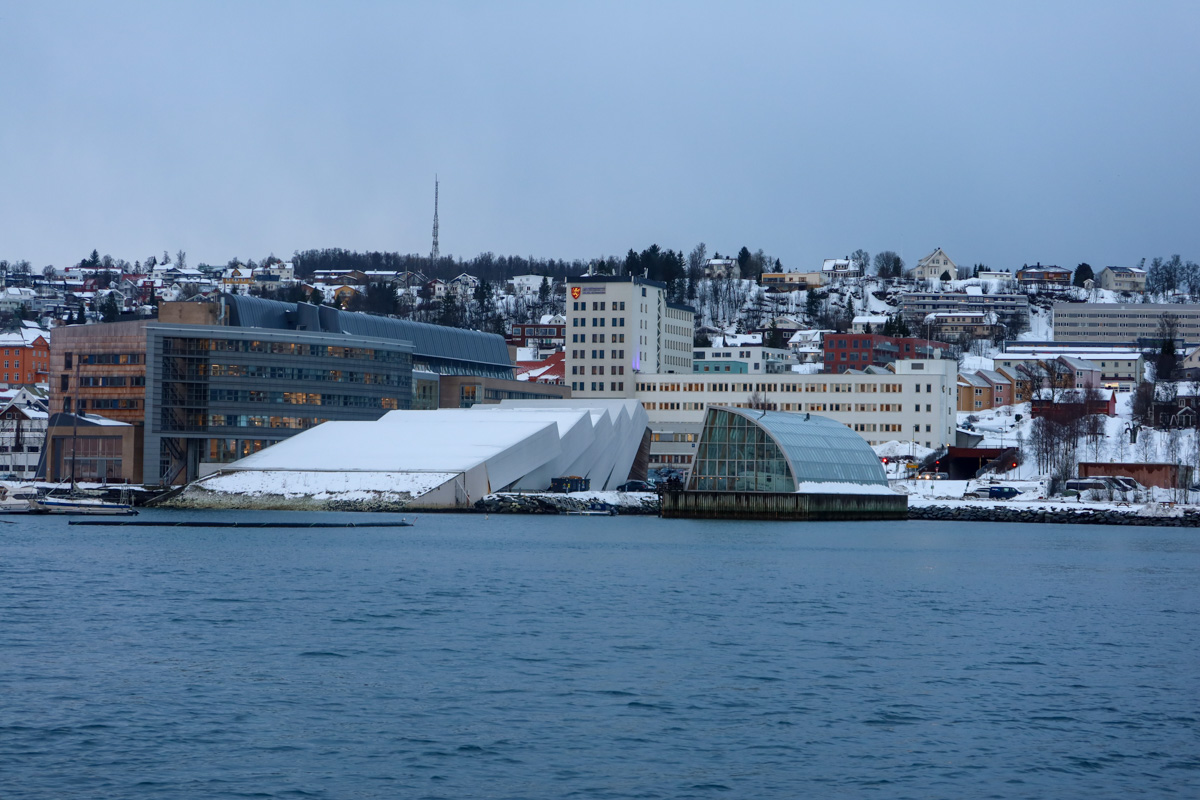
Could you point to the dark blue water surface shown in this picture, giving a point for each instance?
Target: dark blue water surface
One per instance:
(530, 657)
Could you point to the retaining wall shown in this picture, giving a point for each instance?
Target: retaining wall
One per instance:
(783, 506)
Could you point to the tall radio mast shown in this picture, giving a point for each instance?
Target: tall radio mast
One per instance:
(433, 255)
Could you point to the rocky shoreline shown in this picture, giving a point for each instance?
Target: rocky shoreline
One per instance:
(639, 504)
(1166, 517)
(648, 505)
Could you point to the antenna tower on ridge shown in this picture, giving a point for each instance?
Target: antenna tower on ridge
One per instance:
(433, 255)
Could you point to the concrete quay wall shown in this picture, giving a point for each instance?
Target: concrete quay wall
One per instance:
(783, 506)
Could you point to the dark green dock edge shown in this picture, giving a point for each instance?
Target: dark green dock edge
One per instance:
(782, 506)
(112, 523)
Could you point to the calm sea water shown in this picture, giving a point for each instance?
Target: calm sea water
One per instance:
(539, 657)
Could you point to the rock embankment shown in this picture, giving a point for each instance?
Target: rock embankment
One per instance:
(1152, 515)
(641, 503)
(197, 498)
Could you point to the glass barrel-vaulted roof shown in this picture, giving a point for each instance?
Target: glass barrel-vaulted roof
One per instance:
(772, 451)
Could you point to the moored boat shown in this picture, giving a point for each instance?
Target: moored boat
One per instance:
(15, 500)
(67, 504)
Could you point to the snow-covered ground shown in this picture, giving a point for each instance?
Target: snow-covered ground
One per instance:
(1000, 428)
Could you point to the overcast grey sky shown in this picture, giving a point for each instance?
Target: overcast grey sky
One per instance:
(1004, 132)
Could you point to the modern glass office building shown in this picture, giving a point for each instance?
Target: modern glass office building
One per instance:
(266, 370)
(215, 393)
(745, 450)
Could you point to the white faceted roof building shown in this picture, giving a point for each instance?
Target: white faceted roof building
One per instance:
(448, 458)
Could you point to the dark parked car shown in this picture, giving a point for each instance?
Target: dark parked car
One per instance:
(635, 486)
(1002, 492)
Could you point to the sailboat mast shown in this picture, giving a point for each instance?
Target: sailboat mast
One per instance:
(75, 425)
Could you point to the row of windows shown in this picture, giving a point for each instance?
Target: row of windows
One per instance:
(103, 358)
(597, 338)
(304, 374)
(581, 305)
(867, 388)
(598, 386)
(301, 398)
(177, 346)
(112, 380)
(797, 407)
(616, 369)
(669, 458)
(531, 330)
(597, 322)
(596, 354)
(257, 421)
(673, 437)
(729, 354)
(108, 403)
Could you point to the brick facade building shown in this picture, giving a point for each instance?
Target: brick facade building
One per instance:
(843, 351)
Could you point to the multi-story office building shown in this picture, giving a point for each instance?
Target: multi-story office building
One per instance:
(917, 402)
(212, 381)
(100, 369)
(620, 326)
(218, 393)
(1130, 324)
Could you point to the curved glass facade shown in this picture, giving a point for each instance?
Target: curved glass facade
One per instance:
(743, 450)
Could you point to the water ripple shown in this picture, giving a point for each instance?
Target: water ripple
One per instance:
(624, 658)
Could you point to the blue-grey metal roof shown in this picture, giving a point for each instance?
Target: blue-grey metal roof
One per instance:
(432, 341)
(255, 312)
(819, 449)
(435, 341)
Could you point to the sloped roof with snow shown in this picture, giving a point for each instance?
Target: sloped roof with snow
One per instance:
(518, 444)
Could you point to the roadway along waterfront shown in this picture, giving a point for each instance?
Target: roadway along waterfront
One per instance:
(549, 656)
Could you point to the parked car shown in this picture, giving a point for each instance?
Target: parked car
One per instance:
(635, 486)
(993, 493)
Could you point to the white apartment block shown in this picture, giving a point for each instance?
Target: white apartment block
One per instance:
(1123, 323)
(620, 326)
(917, 403)
(750, 359)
